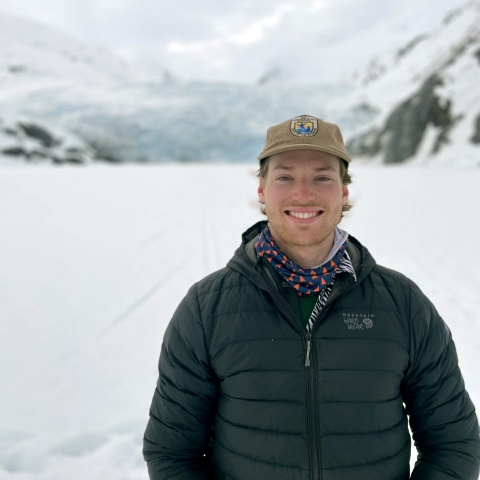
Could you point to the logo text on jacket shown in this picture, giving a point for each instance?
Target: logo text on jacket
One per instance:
(358, 321)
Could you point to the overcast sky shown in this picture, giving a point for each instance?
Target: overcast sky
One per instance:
(242, 40)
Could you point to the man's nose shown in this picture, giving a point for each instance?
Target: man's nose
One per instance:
(303, 191)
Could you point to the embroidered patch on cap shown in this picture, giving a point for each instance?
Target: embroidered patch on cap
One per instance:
(304, 126)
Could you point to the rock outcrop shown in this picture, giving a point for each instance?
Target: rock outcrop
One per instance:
(31, 141)
(476, 135)
(405, 127)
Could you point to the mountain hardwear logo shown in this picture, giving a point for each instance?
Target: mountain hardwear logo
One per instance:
(368, 322)
(358, 321)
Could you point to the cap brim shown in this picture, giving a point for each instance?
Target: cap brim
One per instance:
(304, 146)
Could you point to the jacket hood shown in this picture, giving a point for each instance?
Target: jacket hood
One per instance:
(248, 265)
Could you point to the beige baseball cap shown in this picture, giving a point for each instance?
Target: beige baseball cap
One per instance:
(305, 133)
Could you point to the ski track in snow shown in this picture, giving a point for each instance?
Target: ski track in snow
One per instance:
(144, 298)
(79, 245)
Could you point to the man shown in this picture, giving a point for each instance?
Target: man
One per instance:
(303, 358)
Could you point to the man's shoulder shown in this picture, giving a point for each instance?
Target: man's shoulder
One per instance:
(391, 275)
(397, 283)
(378, 274)
(219, 281)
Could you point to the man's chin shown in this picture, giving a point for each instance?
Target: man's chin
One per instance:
(302, 241)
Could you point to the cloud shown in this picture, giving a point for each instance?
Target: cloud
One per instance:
(318, 5)
(246, 36)
(256, 31)
(240, 41)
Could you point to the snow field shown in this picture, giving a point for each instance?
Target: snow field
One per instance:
(94, 262)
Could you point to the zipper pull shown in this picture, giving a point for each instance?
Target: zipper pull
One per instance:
(309, 344)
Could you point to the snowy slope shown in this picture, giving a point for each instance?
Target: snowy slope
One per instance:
(94, 262)
(33, 55)
(427, 95)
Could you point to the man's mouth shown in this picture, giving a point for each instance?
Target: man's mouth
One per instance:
(295, 214)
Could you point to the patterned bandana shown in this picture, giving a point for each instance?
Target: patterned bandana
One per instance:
(305, 281)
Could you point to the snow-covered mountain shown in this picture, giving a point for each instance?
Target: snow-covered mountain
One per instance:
(420, 101)
(427, 95)
(46, 76)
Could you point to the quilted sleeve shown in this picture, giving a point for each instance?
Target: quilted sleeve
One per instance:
(181, 415)
(442, 417)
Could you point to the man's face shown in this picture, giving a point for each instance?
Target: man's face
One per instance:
(303, 196)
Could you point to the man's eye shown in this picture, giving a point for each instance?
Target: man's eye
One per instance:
(323, 179)
(284, 178)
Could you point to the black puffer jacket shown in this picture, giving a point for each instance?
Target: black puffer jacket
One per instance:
(235, 399)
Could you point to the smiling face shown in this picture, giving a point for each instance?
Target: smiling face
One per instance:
(303, 195)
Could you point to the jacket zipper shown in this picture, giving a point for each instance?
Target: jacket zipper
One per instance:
(315, 459)
(310, 364)
(312, 400)
(309, 346)
(315, 472)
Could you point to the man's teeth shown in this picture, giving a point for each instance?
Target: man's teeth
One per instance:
(303, 214)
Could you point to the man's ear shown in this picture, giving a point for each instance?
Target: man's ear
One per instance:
(261, 194)
(345, 194)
